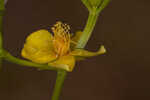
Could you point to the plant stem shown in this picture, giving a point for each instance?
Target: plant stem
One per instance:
(61, 75)
(1, 29)
(92, 18)
(7, 56)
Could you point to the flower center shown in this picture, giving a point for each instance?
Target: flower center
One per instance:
(61, 38)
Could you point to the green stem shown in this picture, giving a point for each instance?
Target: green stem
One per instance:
(8, 57)
(61, 75)
(1, 29)
(92, 18)
(87, 30)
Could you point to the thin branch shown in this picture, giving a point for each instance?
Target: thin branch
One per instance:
(8, 57)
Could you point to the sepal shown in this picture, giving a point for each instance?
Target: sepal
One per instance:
(85, 53)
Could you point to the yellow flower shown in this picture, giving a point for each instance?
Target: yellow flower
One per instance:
(57, 49)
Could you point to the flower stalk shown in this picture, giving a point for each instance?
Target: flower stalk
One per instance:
(8, 57)
(91, 22)
(92, 18)
(61, 75)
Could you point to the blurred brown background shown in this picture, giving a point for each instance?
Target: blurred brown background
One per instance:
(121, 74)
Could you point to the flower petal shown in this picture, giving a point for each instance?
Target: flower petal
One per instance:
(64, 62)
(75, 39)
(39, 56)
(85, 53)
(38, 47)
(77, 36)
(40, 39)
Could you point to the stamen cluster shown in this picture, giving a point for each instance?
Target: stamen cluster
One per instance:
(61, 38)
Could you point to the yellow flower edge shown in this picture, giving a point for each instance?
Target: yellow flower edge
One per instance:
(64, 62)
(56, 50)
(38, 47)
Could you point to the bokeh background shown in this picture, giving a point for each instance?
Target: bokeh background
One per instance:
(121, 74)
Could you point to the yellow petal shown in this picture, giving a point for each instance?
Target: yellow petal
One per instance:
(64, 62)
(85, 53)
(39, 56)
(38, 47)
(75, 38)
(40, 39)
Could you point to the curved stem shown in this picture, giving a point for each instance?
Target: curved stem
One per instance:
(7, 56)
(87, 30)
(61, 75)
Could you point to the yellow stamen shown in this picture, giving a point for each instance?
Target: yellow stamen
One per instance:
(61, 39)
